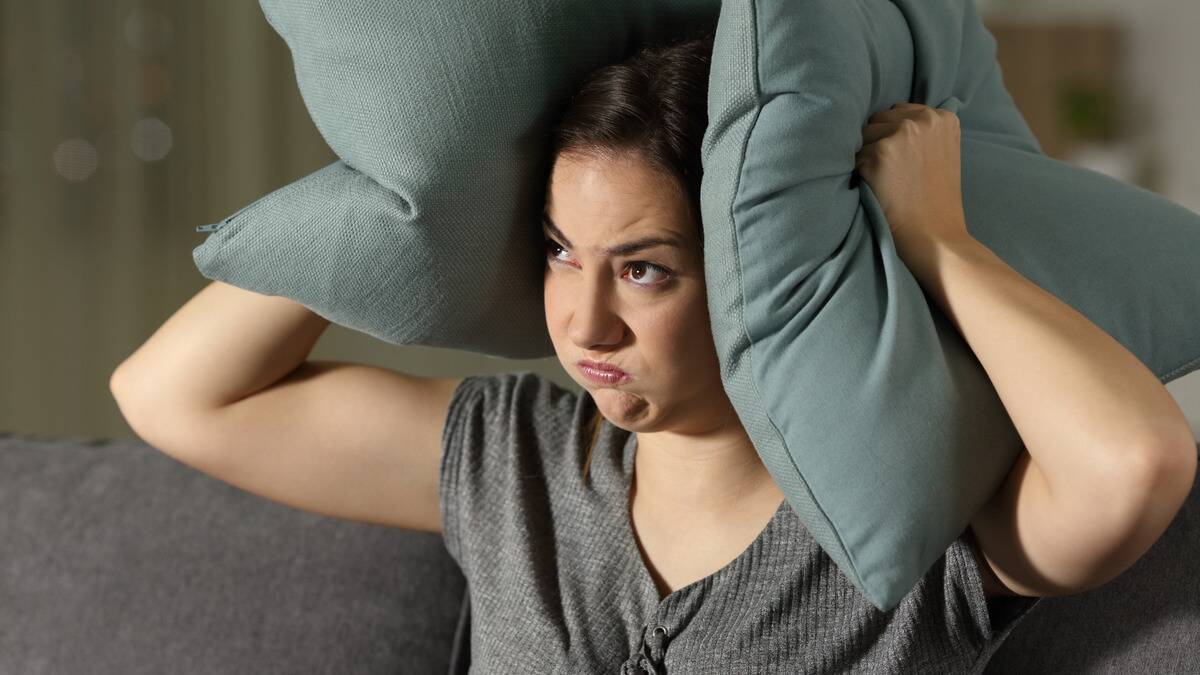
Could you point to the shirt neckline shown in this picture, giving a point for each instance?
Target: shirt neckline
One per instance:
(634, 555)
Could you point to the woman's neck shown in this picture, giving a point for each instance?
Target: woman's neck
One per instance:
(714, 475)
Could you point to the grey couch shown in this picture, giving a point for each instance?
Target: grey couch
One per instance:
(115, 558)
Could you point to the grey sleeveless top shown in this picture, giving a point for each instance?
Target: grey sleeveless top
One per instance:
(557, 584)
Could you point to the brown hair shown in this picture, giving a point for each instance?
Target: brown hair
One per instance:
(653, 105)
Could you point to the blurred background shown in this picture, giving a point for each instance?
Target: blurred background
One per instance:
(126, 124)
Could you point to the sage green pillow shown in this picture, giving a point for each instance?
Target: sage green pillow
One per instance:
(426, 230)
(866, 404)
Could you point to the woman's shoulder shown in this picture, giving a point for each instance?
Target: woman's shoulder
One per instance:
(513, 443)
(958, 578)
(518, 416)
(512, 396)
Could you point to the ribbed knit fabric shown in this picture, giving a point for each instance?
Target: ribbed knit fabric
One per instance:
(558, 585)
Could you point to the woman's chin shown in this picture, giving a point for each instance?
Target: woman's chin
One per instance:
(622, 408)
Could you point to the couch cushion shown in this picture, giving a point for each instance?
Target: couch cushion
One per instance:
(116, 558)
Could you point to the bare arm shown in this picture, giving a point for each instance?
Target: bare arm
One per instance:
(224, 386)
(1110, 456)
(222, 345)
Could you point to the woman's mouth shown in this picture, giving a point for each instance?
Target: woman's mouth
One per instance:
(601, 373)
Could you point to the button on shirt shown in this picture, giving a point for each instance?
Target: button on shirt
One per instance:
(557, 584)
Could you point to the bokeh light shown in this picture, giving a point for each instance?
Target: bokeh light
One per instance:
(151, 140)
(75, 159)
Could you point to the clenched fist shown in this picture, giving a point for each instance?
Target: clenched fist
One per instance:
(910, 158)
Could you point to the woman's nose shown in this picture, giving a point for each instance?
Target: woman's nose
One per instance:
(594, 320)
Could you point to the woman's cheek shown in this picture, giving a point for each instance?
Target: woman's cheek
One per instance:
(559, 296)
(667, 327)
(550, 295)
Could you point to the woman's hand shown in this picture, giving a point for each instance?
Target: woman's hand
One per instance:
(910, 158)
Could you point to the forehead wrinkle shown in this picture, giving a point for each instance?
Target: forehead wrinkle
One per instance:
(618, 250)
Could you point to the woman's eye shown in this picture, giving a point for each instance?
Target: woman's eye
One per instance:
(643, 265)
(639, 268)
(552, 248)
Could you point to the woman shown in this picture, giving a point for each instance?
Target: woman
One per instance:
(631, 526)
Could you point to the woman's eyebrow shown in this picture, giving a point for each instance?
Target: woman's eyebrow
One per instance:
(618, 250)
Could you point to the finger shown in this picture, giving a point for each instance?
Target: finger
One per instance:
(877, 130)
(892, 114)
(898, 110)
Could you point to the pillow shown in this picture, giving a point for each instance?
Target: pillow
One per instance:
(426, 230)
(865, 403)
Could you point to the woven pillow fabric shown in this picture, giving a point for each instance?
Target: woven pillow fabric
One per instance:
(867, 406)
(426, 229)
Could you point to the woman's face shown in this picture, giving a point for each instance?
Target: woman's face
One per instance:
(645, 310)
